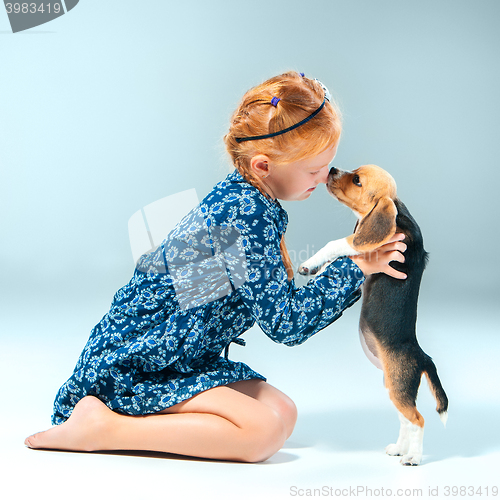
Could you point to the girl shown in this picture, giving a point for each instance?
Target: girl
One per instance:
(151, 376)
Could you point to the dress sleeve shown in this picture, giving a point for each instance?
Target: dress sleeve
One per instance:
(286, 313)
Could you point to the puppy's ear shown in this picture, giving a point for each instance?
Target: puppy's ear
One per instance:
(377, 227)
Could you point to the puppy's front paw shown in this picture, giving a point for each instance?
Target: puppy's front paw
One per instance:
(305, 270)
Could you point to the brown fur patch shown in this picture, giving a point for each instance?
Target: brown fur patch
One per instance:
(377, 227)
(395, 377)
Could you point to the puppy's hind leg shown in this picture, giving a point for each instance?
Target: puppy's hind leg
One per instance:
(410, 441)
(401, 446)
(402, 382)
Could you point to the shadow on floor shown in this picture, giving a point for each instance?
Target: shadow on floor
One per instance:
(281, 457)
(469, 432)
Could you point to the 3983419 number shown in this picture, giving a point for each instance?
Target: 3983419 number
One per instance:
(33, 8)
(471, 491)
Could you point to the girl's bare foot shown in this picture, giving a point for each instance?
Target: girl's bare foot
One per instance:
(85, 430)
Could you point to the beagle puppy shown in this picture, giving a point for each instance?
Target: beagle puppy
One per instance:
(389, 311)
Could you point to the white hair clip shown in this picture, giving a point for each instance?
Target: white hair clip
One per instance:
(328, 97)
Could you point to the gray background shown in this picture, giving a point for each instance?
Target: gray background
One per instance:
(120, 103)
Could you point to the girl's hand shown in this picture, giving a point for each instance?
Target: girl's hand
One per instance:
(378, 260)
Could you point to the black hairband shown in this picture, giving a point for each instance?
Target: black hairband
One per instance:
(274, 134)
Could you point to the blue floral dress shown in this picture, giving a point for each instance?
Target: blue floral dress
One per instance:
(216, 274)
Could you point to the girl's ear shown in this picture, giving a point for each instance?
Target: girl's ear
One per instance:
(260, 166)
(377, 227)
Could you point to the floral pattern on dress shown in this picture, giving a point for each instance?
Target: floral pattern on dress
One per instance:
(217, 273)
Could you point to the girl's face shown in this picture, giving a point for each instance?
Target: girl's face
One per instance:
(297, 180)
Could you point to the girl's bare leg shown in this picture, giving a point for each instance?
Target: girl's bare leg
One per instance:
(269, 395)
(221, 423)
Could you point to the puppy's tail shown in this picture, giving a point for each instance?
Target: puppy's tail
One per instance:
(437, 390)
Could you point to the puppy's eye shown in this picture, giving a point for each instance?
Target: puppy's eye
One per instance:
(355, 180)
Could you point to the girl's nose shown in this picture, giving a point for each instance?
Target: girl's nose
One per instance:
(324, 178)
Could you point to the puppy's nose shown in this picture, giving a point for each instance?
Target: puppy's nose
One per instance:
(333, 171)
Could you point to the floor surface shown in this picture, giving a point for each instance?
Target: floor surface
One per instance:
(337, 449)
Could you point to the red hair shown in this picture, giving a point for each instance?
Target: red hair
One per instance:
(256, 115)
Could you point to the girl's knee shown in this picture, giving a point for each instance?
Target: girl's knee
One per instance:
(288, 412)
(265, 438)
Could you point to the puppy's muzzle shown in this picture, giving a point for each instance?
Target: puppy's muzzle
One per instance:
(333, 176)
(335, 173)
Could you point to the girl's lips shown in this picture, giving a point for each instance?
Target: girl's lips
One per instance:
(311, 189)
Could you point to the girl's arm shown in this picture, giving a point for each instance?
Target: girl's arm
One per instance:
(286, 313)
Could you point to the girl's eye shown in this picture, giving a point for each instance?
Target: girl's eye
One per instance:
(314, 173)
(355, 180)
